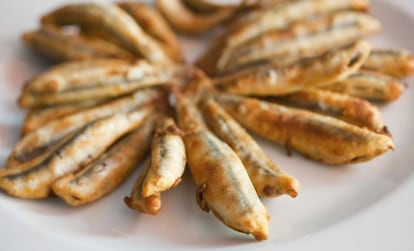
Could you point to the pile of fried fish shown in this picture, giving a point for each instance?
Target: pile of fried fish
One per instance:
(295, 72)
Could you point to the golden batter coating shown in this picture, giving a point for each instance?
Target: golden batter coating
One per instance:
(186, 20)
(39, 139)
(59, 46)
(305, 38)
(149, 205)
(261, 21)
(353, 110)
(109, 19)
(152, 22)
(268, 179)
(370, 85)
(97, 79)
(36, 118)
(313, 72)
(107, 172)
(81, 150)
(168, 158)
(396, 63)
(223, 185)
(316, 136)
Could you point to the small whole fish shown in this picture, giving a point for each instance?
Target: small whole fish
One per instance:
(316, 136)
(168, 158)
(353, 110)
(396, 63)
(188, 21)
(59, 46)
(40, 139)
(149, 205)
(223, 184)
(36, 118)
(79, 151)
(279, 17)
(268, 179)
(152, 22)
(313, 72)
(96, 79)
(109, 19)
(305, 38)
(107, 172)
(370, 85)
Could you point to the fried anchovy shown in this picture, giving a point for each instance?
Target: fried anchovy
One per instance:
(397, 63)
(167, 158)
(188, 21)
(107, 172)
(318, 137)
(36, 118)
(78, 152)
(223, 185)
(370, 85)
(96, 79)
(353, 110)
(155, 25)
(149, 205)
(40, 139)
(305, 38)
(313, 72)
(59, 46)
(110, 19)
(268, 179)
(279, 17)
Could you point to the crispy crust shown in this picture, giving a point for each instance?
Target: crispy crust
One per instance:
(277, 17)
(36, 118)
(318, 137)
(168, 158)
(185, 20)
(305, 38)
(107, 172)
(396, 63)
(223, 185)
(313, 72)
(149, 205)
(97, 79)
(89, 144)
(59, 46)
(39, 139)
(353, 110)
(268, 179)
(369, 85)
(154, 24)
(110, 19)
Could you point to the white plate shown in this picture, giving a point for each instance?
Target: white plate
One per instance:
(361, 206)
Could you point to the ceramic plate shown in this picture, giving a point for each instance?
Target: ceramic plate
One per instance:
(339, 208)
